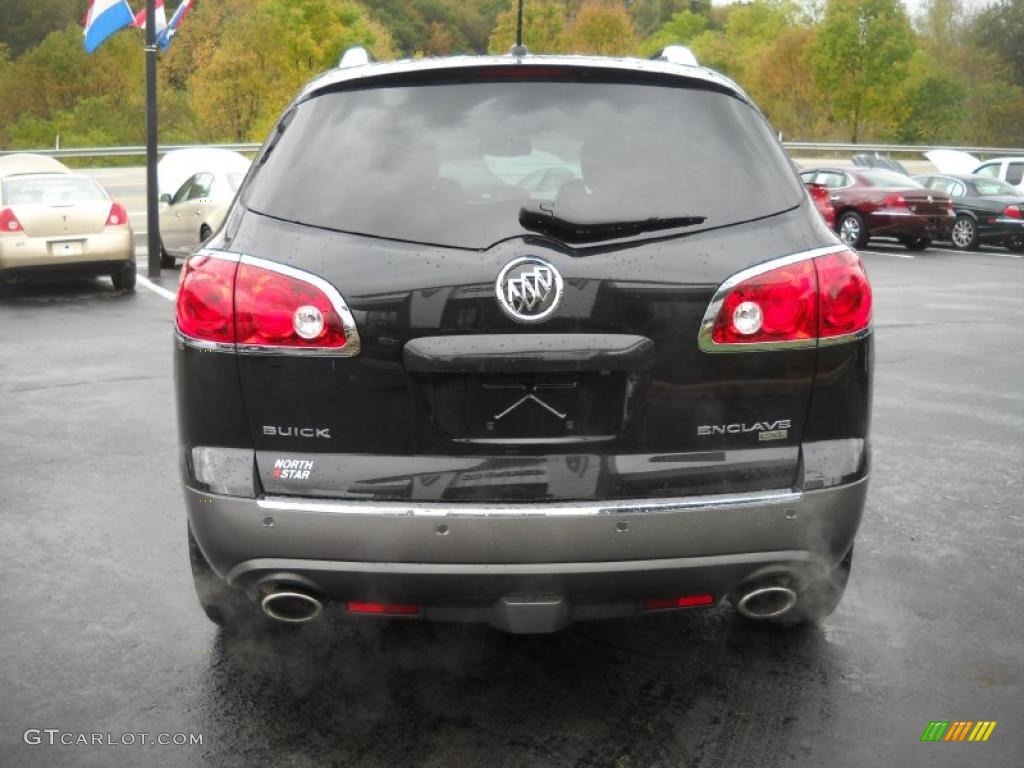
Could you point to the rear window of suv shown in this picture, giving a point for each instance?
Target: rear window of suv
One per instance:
(456, 164)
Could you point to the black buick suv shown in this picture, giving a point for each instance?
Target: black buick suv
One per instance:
(522, 340)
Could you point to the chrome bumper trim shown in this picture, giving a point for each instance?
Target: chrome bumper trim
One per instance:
(544, 509)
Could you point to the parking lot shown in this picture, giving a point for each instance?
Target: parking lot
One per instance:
(102, 632)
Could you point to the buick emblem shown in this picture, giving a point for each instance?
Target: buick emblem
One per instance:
(529, 289)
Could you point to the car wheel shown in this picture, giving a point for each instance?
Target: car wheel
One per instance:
(222, 604)
(852, 230)
(1016, 244)
(204, 234)
(965, 233)
(124, 278)
(916, 243)
(166, 260)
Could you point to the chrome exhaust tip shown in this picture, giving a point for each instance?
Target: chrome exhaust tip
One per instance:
(291, 606)
(766, 602)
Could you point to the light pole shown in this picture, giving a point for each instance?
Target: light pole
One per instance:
(152, 187)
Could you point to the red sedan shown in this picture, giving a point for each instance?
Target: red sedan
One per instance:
(873, 202)
(823, 202)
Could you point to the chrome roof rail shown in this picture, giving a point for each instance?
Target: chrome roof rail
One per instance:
(676, 54)
(355, 56)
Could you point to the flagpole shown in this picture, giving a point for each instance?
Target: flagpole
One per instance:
(152, 186)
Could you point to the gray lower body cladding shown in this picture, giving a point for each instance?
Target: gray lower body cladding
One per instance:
(467, 562)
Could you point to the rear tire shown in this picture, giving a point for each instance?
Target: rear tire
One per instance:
(1016, 244)
(915, 243)
(205, 233)
(124, 278)
(166, 260)
(851, 229)
(222, 604)
(964, 234)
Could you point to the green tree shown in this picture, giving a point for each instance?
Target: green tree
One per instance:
(543, 25)
(680, 29)
(26, 23)
(859, 58)
(264, 56)
(600, 28)
(999, 28)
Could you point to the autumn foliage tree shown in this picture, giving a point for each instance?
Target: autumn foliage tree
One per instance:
(859, 59)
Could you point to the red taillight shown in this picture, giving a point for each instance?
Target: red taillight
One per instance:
(1012, 211)
(205, 302)
(823, 202)
(780, 305)
(9, 222)
(895, 200)
(117, 217)
(795, 304)
(383, 609)
(232, 301)
(844, 294)
(687, 601)
(278, 310)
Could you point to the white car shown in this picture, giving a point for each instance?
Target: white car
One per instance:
(190, 212)
(1008, 169)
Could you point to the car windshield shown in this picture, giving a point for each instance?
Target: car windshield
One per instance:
(879, 177)
(55, 189)
(457, 164)
(993, 188)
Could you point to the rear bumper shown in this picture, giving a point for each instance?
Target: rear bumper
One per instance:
(465, 561)
(899, 223)
(1003, 228)
(39, 255)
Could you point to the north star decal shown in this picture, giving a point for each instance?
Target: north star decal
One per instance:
(767, 430)
(292, 469)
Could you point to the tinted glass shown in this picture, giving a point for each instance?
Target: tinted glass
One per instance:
(993, 188)
(57, 189)
(201, 186)
(879, 177)
(182, 194)
(454, 164)
(1015, 172)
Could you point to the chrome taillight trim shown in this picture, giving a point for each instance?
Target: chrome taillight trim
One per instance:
(348, 322)
(707, 324)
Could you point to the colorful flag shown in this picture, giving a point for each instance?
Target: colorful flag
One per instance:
(104, 18)
(167, 35)
(161, 18)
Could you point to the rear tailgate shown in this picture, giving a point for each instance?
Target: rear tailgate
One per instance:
(414, 219)
(432, 409)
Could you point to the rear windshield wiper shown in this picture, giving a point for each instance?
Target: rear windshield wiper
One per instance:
(542, 219)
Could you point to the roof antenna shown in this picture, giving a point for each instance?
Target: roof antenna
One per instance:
(519, 49)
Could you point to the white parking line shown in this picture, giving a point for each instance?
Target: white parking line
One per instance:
(157, 289)
(889, 253)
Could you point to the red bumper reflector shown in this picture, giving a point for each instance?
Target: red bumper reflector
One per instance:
(384, 609)
(686, 601)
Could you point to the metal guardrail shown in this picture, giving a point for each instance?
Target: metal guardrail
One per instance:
(828, 146)
(126, 151)
(793, 146)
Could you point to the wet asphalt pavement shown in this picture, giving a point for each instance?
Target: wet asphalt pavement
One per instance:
(100, 632)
